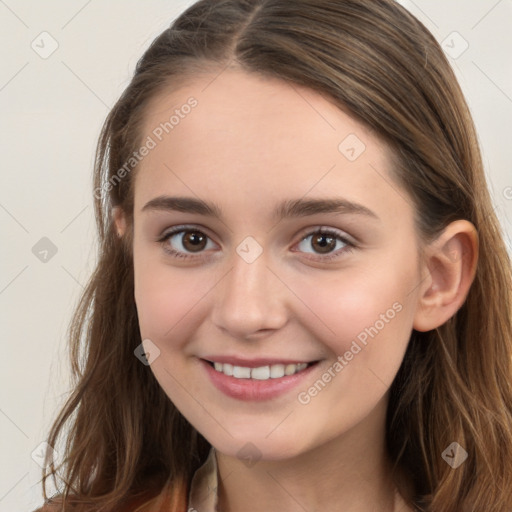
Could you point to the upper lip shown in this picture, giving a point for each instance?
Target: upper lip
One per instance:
(253, 363)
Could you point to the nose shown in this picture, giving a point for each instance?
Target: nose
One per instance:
(250, 300)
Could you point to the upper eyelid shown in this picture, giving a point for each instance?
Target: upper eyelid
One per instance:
(321, 228)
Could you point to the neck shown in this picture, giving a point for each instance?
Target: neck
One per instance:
(351, 472)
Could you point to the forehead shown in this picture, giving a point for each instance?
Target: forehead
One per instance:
(255, 140)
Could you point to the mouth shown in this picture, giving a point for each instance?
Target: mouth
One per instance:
(264, 372)
(260, 380)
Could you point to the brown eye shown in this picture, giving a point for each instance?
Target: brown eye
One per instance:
(323, 243)
(183, 243)
(193, 241)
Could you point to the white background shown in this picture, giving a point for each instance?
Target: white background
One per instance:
(51, 113)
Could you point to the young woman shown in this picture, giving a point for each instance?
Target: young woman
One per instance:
(303, 297)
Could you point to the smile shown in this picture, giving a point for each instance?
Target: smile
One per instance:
(275, 371)
(257, 383)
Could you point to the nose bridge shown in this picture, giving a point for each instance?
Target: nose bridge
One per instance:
(249, 298)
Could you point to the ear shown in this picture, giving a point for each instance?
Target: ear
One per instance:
(119, 219)
(450, 267)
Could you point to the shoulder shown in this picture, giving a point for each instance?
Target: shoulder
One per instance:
(140, 504)
(172, 497)
(49, 507)
(56, 505)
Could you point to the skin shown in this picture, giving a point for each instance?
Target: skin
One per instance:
(249, 144)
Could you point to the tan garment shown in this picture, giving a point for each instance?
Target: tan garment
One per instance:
(203, 488)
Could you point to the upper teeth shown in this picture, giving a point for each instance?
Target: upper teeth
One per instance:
(274, 371)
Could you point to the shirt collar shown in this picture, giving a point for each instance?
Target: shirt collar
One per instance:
(203, 487)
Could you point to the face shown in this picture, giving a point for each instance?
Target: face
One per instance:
(333, 286)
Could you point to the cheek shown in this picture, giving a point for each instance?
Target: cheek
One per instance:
(166, 297)
(371, 315)
(361, 307)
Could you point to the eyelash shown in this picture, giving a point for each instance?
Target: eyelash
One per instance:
(323, 231)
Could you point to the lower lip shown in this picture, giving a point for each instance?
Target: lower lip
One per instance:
(253, 389)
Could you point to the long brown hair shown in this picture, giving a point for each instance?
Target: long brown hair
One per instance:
(127, 441)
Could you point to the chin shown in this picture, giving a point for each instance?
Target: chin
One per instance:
(253, 448)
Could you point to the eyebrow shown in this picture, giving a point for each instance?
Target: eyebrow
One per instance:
(287, 209)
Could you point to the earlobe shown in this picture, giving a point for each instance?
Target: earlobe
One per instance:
(450, 266)
(119, 219)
